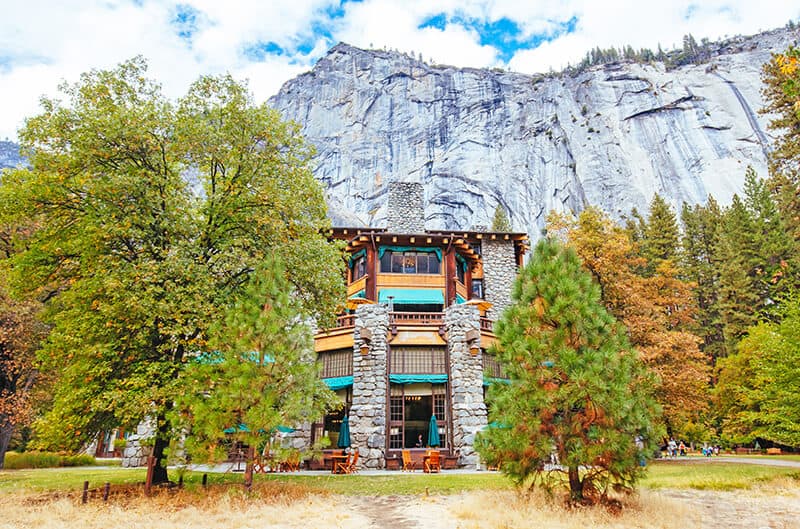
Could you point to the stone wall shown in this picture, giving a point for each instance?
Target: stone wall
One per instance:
(405, 209)
(136, 453)
(462, 324)
(499, 273)
(368, 411)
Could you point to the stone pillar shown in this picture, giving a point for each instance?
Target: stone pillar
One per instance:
(499, 273)
(405, 208)
(370, 387)
(135, 453)
(462, 324)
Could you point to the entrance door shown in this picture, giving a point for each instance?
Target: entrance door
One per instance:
(411, 408)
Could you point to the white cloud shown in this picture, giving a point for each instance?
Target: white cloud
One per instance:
(44, 42)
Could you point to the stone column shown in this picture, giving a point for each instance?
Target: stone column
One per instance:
(370, 391)
(135, 453)
(462, 323)
(499, 273)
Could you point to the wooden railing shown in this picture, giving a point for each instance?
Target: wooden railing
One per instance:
(345, 320)
(417, 318)
(487, 324)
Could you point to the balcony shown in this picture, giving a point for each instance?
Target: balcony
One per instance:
(416, 318)
(345, 321)
(487, 325)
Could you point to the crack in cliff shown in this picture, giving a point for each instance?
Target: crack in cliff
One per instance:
(748, 112)
(675, 105)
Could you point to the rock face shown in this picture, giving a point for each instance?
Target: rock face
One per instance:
(610, 136)
(9, 155)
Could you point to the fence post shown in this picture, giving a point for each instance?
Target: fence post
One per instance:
(106, 490)
(180, 481)
(85, 496)
(148, 483)
(205, 480)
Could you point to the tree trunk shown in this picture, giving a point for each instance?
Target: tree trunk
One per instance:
(5, 438)
(575, 484)
(161, 443)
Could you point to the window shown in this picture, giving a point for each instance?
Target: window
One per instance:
(330, 424)
(477, 288)
(409, 262)
(461, 269)
(410, 409)
(418, 360)
(336, 363)
(359, 267)
(491, 367)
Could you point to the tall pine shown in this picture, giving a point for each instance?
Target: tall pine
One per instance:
(577, 388)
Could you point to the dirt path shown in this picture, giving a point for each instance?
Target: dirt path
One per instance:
(741, 509)
(406, 512)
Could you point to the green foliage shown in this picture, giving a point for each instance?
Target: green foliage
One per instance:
(660, 237)
(262, 374)
(16, 460)
(500, 221)
(577, 389)
(759, 385)
(149, 216)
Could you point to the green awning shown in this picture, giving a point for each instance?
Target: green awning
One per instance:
(335, 383)
(459, 299)
(412, 296)
(418, 379)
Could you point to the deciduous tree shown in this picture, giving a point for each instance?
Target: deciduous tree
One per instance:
(150, 217)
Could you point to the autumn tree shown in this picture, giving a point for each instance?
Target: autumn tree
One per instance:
(21, 331)
(577, 388)
(151, 215)
(781, 91)
(261, 374)
(656, 307)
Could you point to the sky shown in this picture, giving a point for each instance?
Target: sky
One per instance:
(46, 42)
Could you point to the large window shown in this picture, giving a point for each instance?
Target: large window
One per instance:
(413, 360)
(337, 363)
(330, 424)
(477, 288)
(410, 262)
(410, 409)
(359, 268)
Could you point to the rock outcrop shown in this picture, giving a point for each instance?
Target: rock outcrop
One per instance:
(610, 136)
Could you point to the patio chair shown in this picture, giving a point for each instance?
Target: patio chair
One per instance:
(408, 463)
(349, 466)
(431, 462)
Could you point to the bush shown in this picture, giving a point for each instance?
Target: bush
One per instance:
(16, 460)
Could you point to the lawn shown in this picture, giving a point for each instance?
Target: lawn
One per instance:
(661, 475)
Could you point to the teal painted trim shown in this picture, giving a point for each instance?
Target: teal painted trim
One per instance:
(415, 296)
(356, 256)
(360, 294)
(383, 249)
(459, 299)
(488, 381)
(461, 262)
(335, 383)
(418, 379)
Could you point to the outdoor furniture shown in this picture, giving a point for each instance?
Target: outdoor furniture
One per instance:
(408, 464)
(430, 462)
(348, 466)
(339, 463)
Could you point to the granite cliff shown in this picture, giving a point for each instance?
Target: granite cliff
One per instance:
(609, 136)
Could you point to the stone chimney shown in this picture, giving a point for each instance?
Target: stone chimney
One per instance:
(405, 210)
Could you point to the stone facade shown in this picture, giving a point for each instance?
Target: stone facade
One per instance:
(405, 208)
(370, 385)
(499, 273)
(136, 448)
(462, 324)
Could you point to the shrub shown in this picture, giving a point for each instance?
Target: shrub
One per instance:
(15, 460)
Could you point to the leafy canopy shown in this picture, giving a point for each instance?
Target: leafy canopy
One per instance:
(150, 216)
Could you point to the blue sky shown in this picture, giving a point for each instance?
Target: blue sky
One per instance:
(270, 41)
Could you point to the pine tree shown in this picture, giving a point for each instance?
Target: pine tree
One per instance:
(577, 388)
(701, 235)
(500, 221)
(261, 374)
(661, 237)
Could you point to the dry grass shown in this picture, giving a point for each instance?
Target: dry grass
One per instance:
(651, 511)
(267, 505)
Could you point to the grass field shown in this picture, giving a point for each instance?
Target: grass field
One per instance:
(672, 475)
